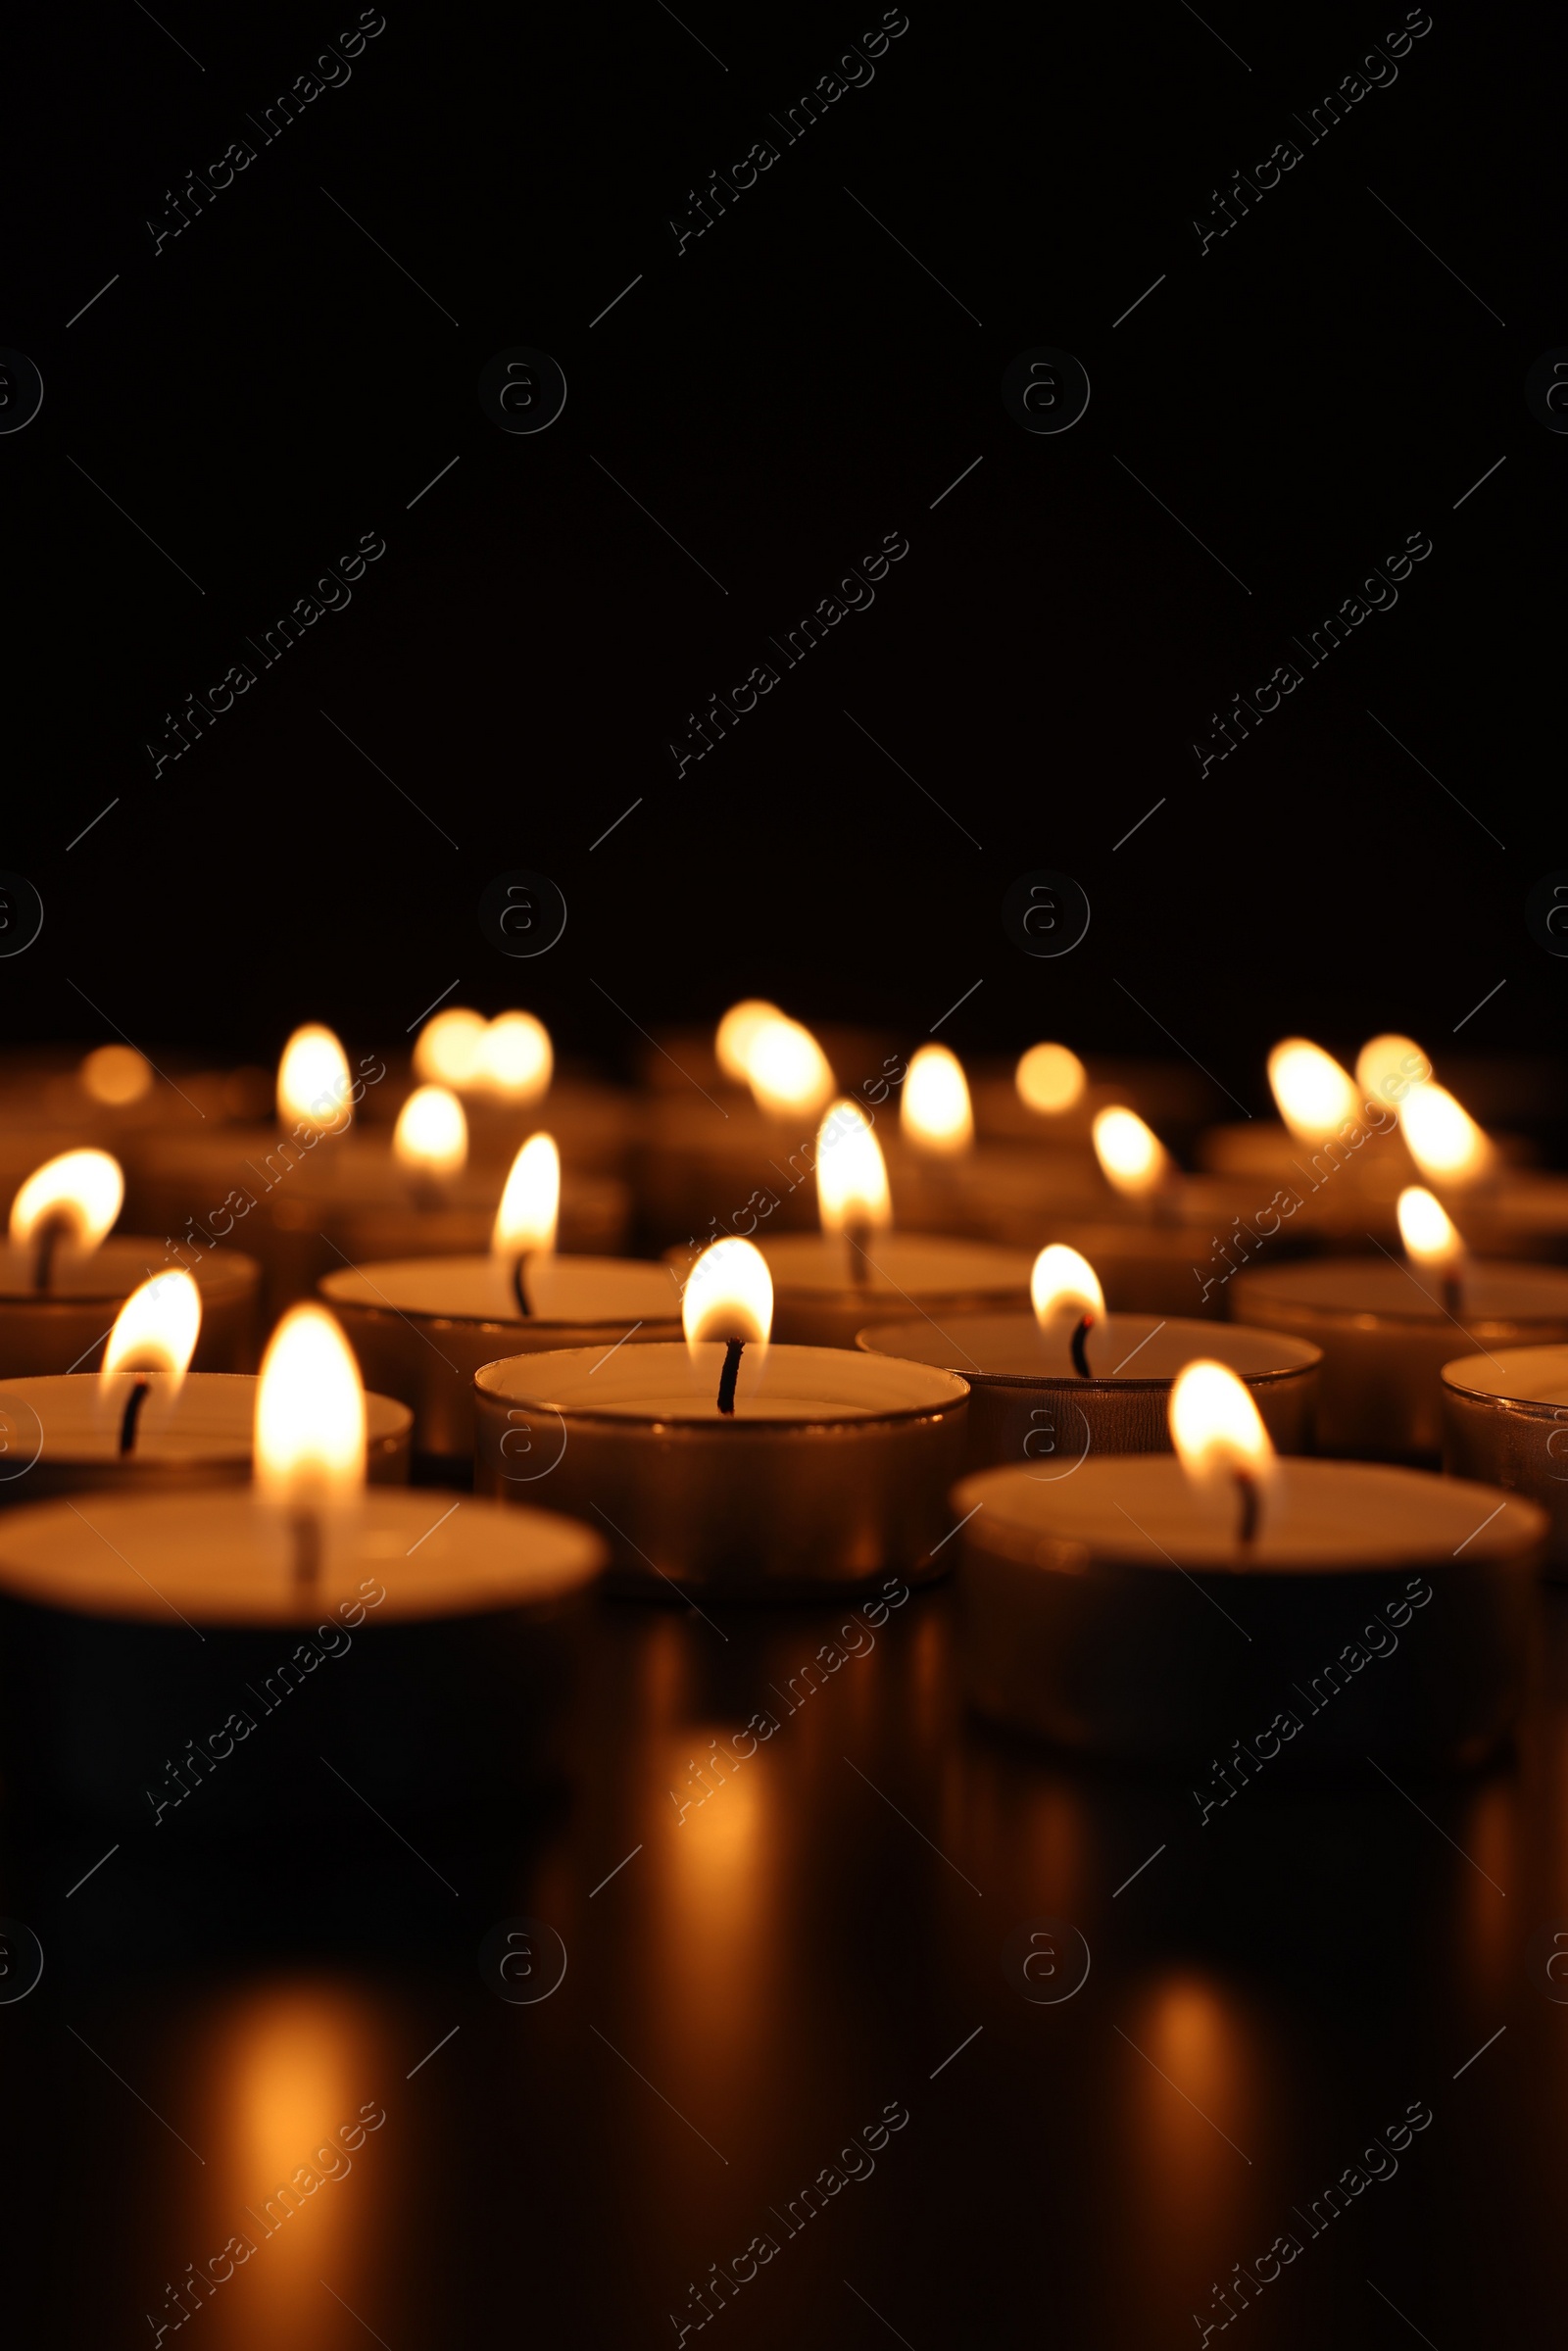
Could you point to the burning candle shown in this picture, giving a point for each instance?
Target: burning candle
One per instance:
(150, 1638)
(1505, 1421)
(705, 1163)
(1221, 1606)
(505, 1071)
(1047, 1387)
(1385, 1329)
(421, 1327)
(731, 1465)
(63, 1280)
(831, 1283)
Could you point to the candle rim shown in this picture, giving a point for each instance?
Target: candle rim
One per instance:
(1478, 1375)
(338, 1289)
(387, 1417)
(217, 1273)
(1294, 1286)
(1309, 1356)
(489, 1382)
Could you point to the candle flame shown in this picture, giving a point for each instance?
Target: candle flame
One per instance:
(530, 1204)
(431, 1135)
(1063, 1282)
(736, 1032)
(310, 1413)
(313, 1088)
(449, 1049)
(81, 1191)
(518, 1059)
(1050, 1078)
(1388, 1066)
(156, 1329)
(1431, 1237)
(728, 1295)
(1313, 1095)
(935, 1114)
(1445, 1140)
(852, 1177)
(1130, 1154)
(787, 1070)
(1215, 1424)
(115, 1074)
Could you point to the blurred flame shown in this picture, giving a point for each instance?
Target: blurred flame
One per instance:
(313, 1088)
(787, 1070)
(1313, 1095)
(1050, 1078)
(852, 1177)
(449, 1049)
(81, 1190)
(157, 1328)
(1130, 1154)
(431, 1135)
(1388, 1066)
(1429, 1236)
(1215, 1424)
(310, 1413)
(728, 1295)
(518, 1059)
(935, 1114)
(115, 1074)
(736, 1032)
(1445, 1140)
(530, 1204)
(1062, 1280)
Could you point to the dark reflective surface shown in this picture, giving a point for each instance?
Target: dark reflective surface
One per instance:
(783, 1968)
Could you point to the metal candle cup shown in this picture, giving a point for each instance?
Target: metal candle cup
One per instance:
(62, 1435)
(428, 1666)
(1027, 1404)
(834, 1467)
(63, 1328)
(421, 1327)
(1506, 1420)
(1116, 1612)
(1386, 1335)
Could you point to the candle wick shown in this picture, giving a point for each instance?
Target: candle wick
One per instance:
(48, 1238)
(1247, 1488)
(519, 1283)
(733, 1351)
(856, 1235)
(133, 1415)
(1080, 1358)
(304, 1527)
(1453, 1290)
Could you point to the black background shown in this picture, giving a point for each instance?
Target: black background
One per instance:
(791, 386)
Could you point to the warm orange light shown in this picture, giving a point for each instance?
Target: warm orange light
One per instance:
(313, 1088)
(1388, 1066)
(530, 1204)
(852, 1177)
(787, 1070)
(518, 1059)
(736, 1032)
(431, 1135)
(1429, 1236)
(80, 1191)
(1312, 1093)
(1215, 1424)
(1062, 1282)
(450, 1049)
(1445, 1140)
(728, 1295)
(1050, 1079)
(156, 1329)
(935, 1114)
(1130, 1154)
(115, 1074)
(310, 1413)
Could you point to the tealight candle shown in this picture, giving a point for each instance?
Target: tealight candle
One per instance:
(704, 1163)
(731, 1466)
(62, 1280)
(1219, 1607)
(1387, 1329)
(1505, 1421)
(300, 1651)
(1508, 1211)
(505, 1070)
(1328, 1123)
(421, 1327)
(1049, 1387)
(943, 1182)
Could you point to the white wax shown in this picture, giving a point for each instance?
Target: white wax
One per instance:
(566, 1290)
(894, 1264)
(1371, 1285)
(210, 1418)
(1524, 1375)
(1127, 1348)
(670, 1382)
(113, 1270)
